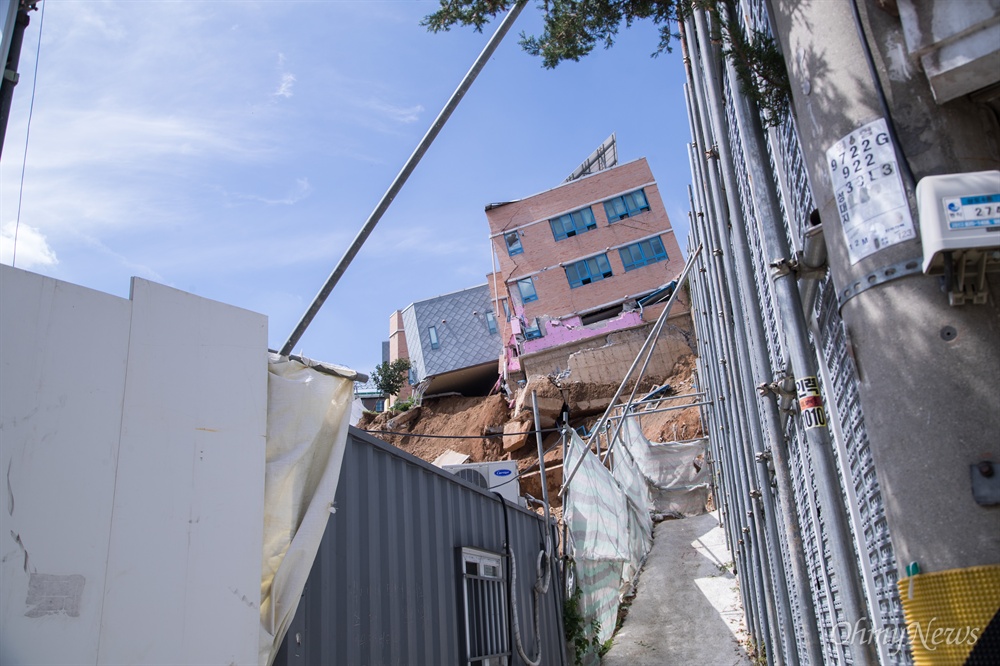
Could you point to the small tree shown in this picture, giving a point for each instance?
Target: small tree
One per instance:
(389, 377)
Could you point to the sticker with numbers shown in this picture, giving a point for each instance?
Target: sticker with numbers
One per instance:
(973, 212)
(810, 403)
(871, 201)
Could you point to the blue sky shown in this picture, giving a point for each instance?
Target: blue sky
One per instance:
(234, 149)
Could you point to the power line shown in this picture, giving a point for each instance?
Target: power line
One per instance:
(27, 134)
(417, 434)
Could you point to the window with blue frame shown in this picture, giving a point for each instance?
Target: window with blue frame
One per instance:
(434, 337)
(588, 270)
(527, 289)
(626, 205)
(642, 253)
(491, 322)
(571, 224)
(533, 331)
(506, 309)
(380, 405)
(513, 240)
(411, 375)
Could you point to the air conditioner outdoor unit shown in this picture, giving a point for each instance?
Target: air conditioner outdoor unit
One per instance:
(499, 477)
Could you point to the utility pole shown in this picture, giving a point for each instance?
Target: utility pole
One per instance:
(928, 371)
(17, 13)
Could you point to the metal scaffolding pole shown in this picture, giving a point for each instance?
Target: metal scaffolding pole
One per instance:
(645, 351)
(718, 323)
(753, 532)
(401, 178)
(803, 365)
(733, 494)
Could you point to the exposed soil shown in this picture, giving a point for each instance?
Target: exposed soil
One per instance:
(475, 426)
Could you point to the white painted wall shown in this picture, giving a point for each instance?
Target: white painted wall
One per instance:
(132, 455)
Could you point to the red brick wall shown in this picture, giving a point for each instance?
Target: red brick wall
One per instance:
(398, 349)
(543, 254)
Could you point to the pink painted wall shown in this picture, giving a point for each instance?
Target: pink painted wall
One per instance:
(571, 330)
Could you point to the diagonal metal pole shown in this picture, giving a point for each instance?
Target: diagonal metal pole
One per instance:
(401, 178)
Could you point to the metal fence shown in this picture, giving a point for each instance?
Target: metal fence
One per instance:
(389, 585)
(724, 299)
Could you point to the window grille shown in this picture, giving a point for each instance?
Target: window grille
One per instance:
(484, 599)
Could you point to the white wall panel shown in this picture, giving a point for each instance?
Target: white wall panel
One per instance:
(132, 442)
(187, 528)
(63, 351)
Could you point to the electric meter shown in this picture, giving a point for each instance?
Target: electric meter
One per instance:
(958, 213)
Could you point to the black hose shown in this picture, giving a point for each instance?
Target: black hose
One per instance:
(904, 163)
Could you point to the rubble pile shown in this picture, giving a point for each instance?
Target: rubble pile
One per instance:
(497, 428)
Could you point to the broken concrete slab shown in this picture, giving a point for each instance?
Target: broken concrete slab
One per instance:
(516, 433)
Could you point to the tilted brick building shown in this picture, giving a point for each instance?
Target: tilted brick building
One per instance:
(575, 263)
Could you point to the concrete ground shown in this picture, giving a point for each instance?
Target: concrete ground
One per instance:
(687, 607)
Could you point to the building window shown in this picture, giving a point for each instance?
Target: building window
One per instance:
(411, 376)
(527, 289)
(506, 309)
(588, 270)
(491, 322)
(380, 405)
(534, 331)
(644, 252)
(434, 337)
(572, 224)
(513, 240)
(626, 205)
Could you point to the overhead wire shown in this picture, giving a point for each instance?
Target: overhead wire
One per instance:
(488, 435)
(27, 134)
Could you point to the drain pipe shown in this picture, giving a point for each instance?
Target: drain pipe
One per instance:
(542, 580)
(804, 367)
(541, 467)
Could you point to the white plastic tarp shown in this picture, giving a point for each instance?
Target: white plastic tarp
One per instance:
(676, 471)
(307, 419)
(609, 531)
(595, 512)
(640, 522)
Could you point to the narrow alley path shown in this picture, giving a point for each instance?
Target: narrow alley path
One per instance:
(687, 607)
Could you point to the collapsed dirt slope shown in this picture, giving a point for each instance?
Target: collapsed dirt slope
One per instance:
(475, 426)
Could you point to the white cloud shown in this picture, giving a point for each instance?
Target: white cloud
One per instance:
(133, 268)
(298, 193)
(424, 242)
(31, 250)
(399, 114)
(285, 87)
(74, 138)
